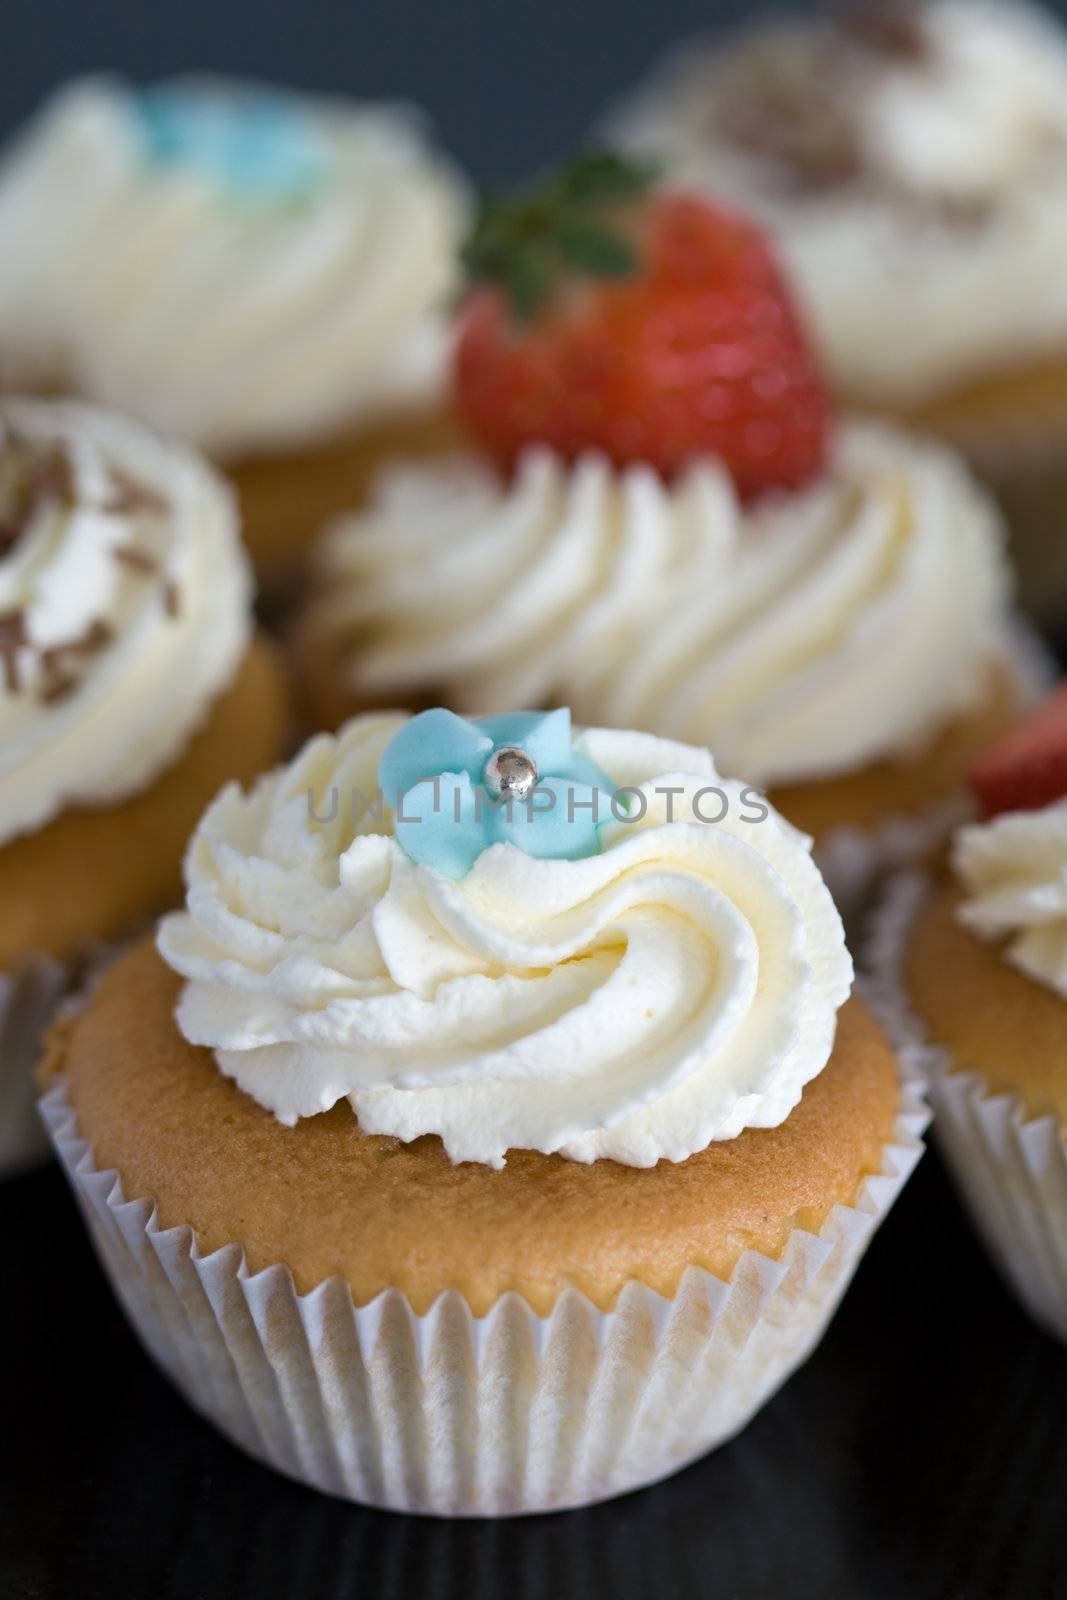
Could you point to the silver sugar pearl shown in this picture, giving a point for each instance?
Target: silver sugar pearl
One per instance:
(510, 773)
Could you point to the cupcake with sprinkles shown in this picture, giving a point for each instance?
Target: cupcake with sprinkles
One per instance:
(494, 1130)
(131, 686)
(261, 274)
(911, 159)
(662, 521)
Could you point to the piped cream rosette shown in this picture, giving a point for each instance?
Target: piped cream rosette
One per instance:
(675, 987)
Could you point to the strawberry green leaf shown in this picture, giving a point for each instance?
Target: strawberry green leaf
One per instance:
(530, 242)
(595, 252)
(527, 282)
(601, 177)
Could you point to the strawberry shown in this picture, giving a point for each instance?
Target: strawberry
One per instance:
(607, 314)
(1026, 768)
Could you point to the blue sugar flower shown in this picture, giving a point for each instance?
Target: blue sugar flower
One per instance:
(456, 787)
(256, 143)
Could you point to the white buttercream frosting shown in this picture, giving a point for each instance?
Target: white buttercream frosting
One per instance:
(124, 606)
(675, 988)
(800, 637)
(238, 321)
(918, 188)
(1014, 871)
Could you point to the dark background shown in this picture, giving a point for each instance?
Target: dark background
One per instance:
(922, 1452)
(510, 84)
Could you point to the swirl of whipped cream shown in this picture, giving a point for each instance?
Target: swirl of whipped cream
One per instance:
(677, 987)
(1014, 869)
(912, 161)
(233, 316)
(799, 637)
(124, 606)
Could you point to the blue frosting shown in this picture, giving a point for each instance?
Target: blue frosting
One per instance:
(257, 143)
(432, 771)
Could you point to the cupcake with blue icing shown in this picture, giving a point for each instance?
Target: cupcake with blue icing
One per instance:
(496, 1108)
(259, 273)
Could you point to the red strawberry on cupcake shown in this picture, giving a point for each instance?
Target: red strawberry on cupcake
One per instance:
(1026, 768)
(659, 519)
(648, 324)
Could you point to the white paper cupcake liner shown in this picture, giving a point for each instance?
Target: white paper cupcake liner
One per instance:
(1010, 1169)
(455, 1415)
(854, 860)
(29, 997)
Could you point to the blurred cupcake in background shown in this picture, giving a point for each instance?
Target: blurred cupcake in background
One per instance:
(466, 1149)
(912, 162)
(261, 274)
(972, 974)
(666, 526)
(131, 687)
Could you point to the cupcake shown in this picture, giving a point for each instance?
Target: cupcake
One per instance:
(666, 527)
(493, 1132)
(972, 974)
(912, 161)
(259, 274)
(130, 688)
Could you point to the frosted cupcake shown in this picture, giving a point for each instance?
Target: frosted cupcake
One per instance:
(976, 968)
(260, 274)
(130, 689)
(667, 527)
(912, 161)
(496, 1112)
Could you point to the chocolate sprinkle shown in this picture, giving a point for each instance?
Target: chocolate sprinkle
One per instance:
(137, 560)
(53, 477)
(770, 111)
(37, 476)
(61, 677)
(44, 476)
(896, 31)
(12, 629)
(12, 638)
(130, 494)
(59, 688)
(800, 110)
(55, 659)
(98, 634)
(172, 599)
(9, 664)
